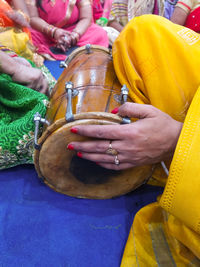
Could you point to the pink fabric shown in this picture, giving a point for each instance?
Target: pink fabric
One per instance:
(156, 10)
(94, 35)
(97, 9)
(193, 20)
(107, 8)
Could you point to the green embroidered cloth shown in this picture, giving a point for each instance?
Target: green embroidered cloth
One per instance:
(18, 104)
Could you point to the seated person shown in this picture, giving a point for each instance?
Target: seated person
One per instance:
(14, 30)
(159, 62)
(101, 10)
(21, 96)
(187, 13)
(63, 24)
(124, 10)
(14, 12)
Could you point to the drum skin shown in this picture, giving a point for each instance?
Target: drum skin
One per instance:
(93, 75)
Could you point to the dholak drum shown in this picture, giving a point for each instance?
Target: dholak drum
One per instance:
(86, 92)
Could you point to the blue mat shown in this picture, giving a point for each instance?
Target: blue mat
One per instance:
(39, 227)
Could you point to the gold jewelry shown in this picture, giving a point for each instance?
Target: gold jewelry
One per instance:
(76, 31)
(111, 150)
(53, 32)
(49, 30)
(26, 17)
(75, 35)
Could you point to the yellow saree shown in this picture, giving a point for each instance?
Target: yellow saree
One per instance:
(159, 62)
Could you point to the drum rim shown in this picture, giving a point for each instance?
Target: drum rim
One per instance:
(83, 48)
(61, 122)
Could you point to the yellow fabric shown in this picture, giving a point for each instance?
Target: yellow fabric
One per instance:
(17, 41)
(161, 69)
(158, 238)
(181, 196)
(159, 62)
(151, 242)
(163, 73)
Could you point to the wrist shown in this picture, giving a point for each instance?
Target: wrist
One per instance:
(75, 36)
(25, 16)
(77, 32)
(9, 66)
(49, 30)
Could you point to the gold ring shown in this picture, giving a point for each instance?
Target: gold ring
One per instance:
(111, 151)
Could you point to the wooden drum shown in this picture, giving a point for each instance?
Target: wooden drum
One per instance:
(86, 92)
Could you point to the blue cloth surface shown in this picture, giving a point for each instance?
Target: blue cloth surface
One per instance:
(40, 227)
(54, 66)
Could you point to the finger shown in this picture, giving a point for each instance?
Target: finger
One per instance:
(90, 146)
(62, 47)
(44, 87)
(102, 158)
(73, 41)
(140, 111)
(100, 147)
(112, 166)
(36, 84)
(67, 41)
(108, 132)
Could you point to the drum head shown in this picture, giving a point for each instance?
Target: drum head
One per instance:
(66, 173)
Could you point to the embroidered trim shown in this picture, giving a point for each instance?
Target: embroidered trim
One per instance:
(181, 3)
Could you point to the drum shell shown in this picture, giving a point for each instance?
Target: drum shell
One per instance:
(99, 91)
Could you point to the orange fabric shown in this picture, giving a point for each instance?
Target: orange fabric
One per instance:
(5, 21)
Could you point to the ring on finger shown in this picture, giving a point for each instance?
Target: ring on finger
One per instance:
(117, 162)
(66, 38)
(111, 150)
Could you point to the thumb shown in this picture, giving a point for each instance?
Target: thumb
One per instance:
(139, 111)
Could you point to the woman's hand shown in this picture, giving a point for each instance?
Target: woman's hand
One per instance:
(22, 61)
(22, 72)
(18, 18)
(151, 139)
(30, 77)
(63, 39)
(74, 38)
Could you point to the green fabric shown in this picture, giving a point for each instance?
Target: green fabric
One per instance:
(18, 104)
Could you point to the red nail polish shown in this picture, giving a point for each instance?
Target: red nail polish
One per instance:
(70, 147)
(74, 130)
(97, 163)
(115, 110)
(79, 154)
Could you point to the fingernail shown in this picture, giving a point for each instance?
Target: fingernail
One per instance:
(97, 163)
(79, 154)
(115, 110)
(74, 130)
(70, 147)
